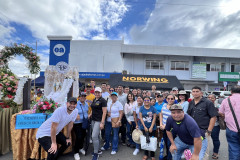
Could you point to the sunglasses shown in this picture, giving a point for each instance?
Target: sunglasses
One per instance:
(147, 100)
(111, 90)
(83, 96)
(170, 98)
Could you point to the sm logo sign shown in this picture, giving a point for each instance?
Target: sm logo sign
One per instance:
(59, 49)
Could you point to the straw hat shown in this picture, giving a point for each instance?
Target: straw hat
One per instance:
(136, 135)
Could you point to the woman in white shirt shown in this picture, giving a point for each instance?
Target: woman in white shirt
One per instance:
(115, 113)
(128, 110)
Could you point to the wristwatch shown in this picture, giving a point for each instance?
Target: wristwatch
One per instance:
(209, 131)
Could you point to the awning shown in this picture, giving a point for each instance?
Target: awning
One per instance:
(39, 82)
(145, 81)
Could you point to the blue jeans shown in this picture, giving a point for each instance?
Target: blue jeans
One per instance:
(115, 139)
(168, 144)
(215, 138)
(139, 124)
(108, 135)
(233, 144)
(181, 146)
(129, 132)
(108, 130)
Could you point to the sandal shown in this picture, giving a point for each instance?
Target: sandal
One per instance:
(144, 158)
(214, 156)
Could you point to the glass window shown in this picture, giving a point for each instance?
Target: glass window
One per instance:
(154, 64)
(216, 67)
(235, 67)
(179, 65)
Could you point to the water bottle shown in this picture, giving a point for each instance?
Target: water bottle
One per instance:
(161, 149)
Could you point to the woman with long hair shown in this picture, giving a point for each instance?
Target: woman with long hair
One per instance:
(147, 116)
(216, 129)
(165, 113)
(128, 110)
(183, 100)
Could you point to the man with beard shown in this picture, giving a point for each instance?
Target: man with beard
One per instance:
(49, 133)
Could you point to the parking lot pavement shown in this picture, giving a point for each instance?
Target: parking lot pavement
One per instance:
(125, 153)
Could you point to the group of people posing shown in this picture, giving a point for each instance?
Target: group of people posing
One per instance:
(109, 112)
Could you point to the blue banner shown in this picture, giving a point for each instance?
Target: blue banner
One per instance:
(59, 51)
(103, 75)
(29, 121)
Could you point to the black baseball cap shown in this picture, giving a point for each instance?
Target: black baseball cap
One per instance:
(159, 95)
(72, 99)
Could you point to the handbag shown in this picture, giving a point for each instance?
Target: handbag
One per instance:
(85, 123)
(222, 123)
(115, 120)
(148, 143)
(234, 116)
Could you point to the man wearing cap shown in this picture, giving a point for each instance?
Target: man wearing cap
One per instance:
(80, 132)
(175, 92)
(189, 136)
(158, 105)
(49, 133)
(92, 86)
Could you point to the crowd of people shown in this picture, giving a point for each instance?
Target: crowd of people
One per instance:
(113, 113)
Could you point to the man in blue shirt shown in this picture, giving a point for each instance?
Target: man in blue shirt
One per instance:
(159, 103)
(189, 135)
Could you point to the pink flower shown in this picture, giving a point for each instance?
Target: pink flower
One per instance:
(15, 87)
(34, 107)
(14, 90)
(34, 57)
(0, 77)
(34, 111)
(50, 105)
(5, 74)
(9, 88)
(12, 77)
(44, 106)
(1, 87)
(41, 102)
(7, 84)
(31, 52)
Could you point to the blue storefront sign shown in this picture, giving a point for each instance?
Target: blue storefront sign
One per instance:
(103, 75)
(59, 51)
(30, 121)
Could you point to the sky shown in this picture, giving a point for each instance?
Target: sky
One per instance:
(199, 23)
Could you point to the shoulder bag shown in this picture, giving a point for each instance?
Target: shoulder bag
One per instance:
(234, 116)
(148, 143)
(85, 123)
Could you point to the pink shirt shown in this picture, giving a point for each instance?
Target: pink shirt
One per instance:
(225, 109)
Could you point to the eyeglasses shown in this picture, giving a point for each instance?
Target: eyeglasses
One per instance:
(83, 96)
(111, 90)
(147, 100)
(170, 98)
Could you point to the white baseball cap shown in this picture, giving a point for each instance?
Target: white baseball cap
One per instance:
(98, 89)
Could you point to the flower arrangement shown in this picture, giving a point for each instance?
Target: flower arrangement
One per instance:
(8, 52)
(8, 88)
(45, 106)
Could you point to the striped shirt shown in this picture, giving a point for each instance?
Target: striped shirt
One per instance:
(166, 113)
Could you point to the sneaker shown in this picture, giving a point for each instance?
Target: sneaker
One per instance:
(99, 152)
(123, 143)
(82, 151)
(95, 156)
(103, 149)
(136, 151)
(76, 156)
(113, 152)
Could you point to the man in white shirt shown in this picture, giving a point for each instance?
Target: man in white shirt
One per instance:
(105, 93)
(49, 133)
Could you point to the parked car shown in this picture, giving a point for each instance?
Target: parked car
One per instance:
(222, 93)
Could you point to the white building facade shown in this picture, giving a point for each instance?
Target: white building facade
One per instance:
(97, 59)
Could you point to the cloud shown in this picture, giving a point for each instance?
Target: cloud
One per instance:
(190, 24)
(61, 17)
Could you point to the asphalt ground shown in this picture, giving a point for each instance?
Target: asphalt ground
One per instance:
(125, 153)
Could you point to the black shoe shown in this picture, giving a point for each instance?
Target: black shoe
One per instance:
(123, 143)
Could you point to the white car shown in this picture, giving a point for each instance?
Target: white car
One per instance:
(222, 93)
